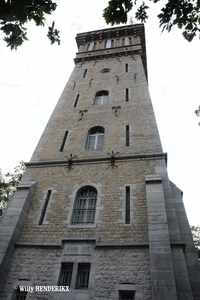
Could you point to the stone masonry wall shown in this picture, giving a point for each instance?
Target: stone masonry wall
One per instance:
(111, 268)
(113, 182)
(137, 112)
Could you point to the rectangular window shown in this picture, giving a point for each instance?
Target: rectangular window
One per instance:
(84, 73)
(126, 295)
(64, 141)
(126, 67)
(21, 295)
(127, 95)
(127, 135)
(83, 276)
(45, 207)
(66, 274)
(127, 217)
(76, 101)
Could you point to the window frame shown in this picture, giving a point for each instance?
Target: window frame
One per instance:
(123, 294)
(95, 135)
(63, 270)
(85, 206)
(109, 43)
(103, 96)
(83, 276)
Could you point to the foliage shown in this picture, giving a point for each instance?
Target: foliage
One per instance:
(196, 237)
(182, 13)
(8, 184)
(197, 112)
(14, 14)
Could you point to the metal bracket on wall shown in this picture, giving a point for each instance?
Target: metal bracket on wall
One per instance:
(82, 113)
(81, 64)
(135, 77)
(70, 161)
(116, 108)
(90, 81)
(112, 158)
(133, 57)
(117, 78)
(95, 63)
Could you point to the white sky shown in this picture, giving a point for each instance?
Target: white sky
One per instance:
(33, 77)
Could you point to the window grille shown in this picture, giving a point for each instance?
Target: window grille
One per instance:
(85, 207)
(83, 276)
(129, 295)
(66, 274)
(21, 295)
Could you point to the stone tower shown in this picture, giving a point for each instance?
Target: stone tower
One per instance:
(95, 210)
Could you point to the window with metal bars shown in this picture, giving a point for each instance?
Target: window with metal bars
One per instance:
(21, 295)
(126, 295)
(66, 274)
(95, 138)
(101, 98)
(85, 206)
(83, 276)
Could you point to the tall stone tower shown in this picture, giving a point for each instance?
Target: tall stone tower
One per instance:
(95, 210)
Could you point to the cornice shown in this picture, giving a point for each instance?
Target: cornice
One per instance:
(136, 30)
(93, 160)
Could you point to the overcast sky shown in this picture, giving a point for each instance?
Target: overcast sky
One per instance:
(33, 77)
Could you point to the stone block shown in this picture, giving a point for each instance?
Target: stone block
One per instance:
(162, 278)
(161, 262)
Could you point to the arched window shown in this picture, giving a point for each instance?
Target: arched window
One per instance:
(126, 41)
(85, 206)
(91, 46)
(109, 43)
(101, 98)
(95, 138)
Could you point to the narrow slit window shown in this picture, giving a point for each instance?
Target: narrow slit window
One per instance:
(64, 141)
(127, 95)
(127, 217)
(77, 97)
(84, 73)
(126, 68)
(45, 207)
(127, 136)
